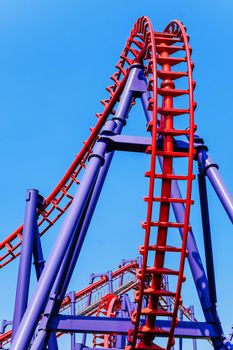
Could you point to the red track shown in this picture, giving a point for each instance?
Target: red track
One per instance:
(105, 303)
(161, 53)
(94, 287)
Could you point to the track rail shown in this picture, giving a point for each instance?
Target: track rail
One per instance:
(160, 53)
(59, 200)
(159, 60)
(108, 307)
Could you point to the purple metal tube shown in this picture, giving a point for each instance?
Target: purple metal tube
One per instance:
(39, 263)
(119, 118)
(100, 149)
(84, 337)
(24, 272)
(193, 319)
(181, 339)
(211, 170)
(207, 237)
(103, 325)
(110, 282)
(31, 317)
(38, 257)
(134, 85)
(63, 279)
(72, 312)
(128, 305)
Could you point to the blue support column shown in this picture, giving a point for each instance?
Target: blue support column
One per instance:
(207, 237)
(68, 233)
(55, 261)
(72, 312)
(181, 339)
(38, 257)
(30, 222)
(39, 263)
(192, 320)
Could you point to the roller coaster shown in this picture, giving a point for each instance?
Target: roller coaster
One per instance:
(139, 305)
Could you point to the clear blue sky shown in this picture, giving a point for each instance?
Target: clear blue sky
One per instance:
(55, 61)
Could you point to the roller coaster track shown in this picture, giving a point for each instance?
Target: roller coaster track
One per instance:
(99, 293)
(59, 200)
(97, 290)
(159, 52)
(159, 48)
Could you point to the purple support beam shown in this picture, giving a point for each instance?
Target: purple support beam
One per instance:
(30, 222)
(44, 286)
(104, 325)
(39, 263)
(89, 297)
(119, 119)
(193, 319)
(181, 339)
(210, 168)
(72, 312)
(207, 237)
(138, 143)
(70, 225)
(128, 305)
(38, 257)
(62, 246)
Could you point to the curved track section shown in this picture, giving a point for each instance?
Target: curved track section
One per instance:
(164, 53)
(108, 307)
(168, 68)
(59, 200)
(97, 288)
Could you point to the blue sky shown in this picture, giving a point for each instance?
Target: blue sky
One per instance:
(55, 61)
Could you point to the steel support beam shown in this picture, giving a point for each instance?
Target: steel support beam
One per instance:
(207, 237)
(68, 231)
(24, 272)
(104, 325)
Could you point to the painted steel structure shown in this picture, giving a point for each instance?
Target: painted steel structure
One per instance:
(156, 68)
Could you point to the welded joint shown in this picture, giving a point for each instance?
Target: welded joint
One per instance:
(99, 156)
(39, 262)
(122, 120)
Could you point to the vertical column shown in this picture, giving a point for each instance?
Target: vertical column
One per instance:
(110, 282)
(30, 222)
(181, 339)
(38, 257)
(207, 237)
(72, 312)
(193, 319)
